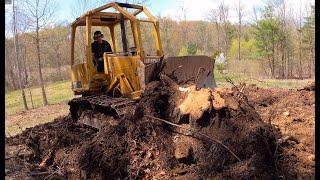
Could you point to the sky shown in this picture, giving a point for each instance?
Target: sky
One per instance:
(172, 8)
(196, 8)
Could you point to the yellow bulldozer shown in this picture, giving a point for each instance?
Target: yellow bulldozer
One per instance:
(126, 70)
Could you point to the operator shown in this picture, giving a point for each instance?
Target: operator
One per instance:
(99, 46)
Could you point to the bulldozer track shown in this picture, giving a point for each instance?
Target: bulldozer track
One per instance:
(112, 106)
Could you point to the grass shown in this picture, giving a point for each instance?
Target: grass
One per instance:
(264, 83)
(56, 93)
(14, 128)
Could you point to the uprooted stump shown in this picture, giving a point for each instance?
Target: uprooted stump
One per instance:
(219, 114)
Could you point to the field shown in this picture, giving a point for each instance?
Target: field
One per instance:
(56, 93)
(264, 83)
(18, 120)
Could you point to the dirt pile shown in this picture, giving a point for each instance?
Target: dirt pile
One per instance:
(175, 132)
(33, 152)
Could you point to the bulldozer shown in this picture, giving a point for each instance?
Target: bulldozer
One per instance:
(127, 70)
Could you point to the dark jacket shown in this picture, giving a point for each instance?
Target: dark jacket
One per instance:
(98, 49)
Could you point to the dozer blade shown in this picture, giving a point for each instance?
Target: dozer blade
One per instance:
(198, 69)
(82, 108)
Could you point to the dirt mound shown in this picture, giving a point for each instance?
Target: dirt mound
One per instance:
(175, 132)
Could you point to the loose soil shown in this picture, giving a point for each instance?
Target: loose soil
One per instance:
(239, 133)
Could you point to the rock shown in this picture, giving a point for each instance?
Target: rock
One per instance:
(182, 152)
(147, 171)
(183, 149)
(7, 171)
(286, 113)
(311, 157)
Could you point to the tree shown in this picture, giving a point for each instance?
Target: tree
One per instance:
(239, 9)
(224, 18)
(56, 41)
(283, 40)
(214, 17)
(267, 36)
(308, 39)
(10, 65)
(39, 14)
(183, 20)
(16, 48)
(192, 49)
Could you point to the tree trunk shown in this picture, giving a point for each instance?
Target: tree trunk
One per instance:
(311, 60)
(272, 62)
(59, 67)
(282, 61)
(13, 82)
(45, 101)
(218, 36)
(25, 67)
(225, 40)
(16, 48)
(239, 35)
(291, 57)
(31, 98)
(300, 61)
(239, 39)
(287, 63)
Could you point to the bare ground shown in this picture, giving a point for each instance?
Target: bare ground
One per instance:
(18, 122)
(293, 112)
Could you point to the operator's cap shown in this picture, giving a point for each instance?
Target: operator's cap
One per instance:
(96, 34)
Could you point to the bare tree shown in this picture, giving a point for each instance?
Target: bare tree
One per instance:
(183, 19)
(300, 41)
(239, 9)
(214, 17)
(256, 13)
(56, 41)
(224, 18)
(284, 40)
(39, 14)
(16, 48)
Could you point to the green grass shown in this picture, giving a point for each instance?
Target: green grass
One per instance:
(56, 93)
(264, 83)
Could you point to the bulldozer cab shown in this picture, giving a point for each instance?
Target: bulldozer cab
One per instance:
(125, 68)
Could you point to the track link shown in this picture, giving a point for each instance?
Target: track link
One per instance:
(116, 107)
